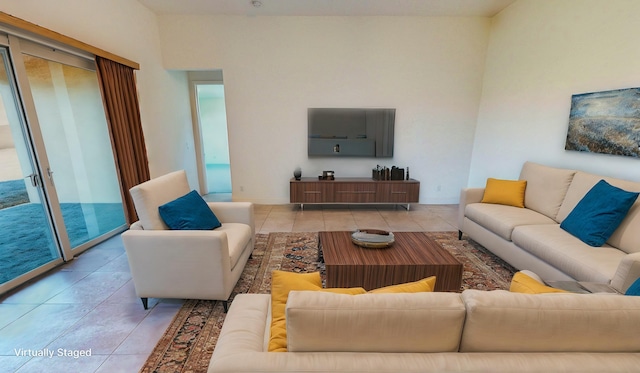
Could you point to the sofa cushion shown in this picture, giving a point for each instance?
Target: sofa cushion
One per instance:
(634, 289)
(627, 236)
(501, 321)
(148, 196)
(546, 187)
(188, 212)
(504, 192)
(567, 253)
(501, 219)
(599, 213)
(628, 271)
(522, 283)
(238, 236)
(416, 322)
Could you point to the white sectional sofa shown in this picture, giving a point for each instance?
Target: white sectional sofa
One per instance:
(530, 238)
(472, 331)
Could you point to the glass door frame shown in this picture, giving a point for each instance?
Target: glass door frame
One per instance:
(33, 127)
(80, 61)
(17, 47)
(6, 43)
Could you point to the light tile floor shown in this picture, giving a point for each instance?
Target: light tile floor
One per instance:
(90, 303)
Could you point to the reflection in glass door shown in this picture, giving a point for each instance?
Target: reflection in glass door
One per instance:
(81, 167)
(27, 241)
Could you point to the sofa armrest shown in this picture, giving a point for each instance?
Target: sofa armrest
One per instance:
(468, 196)
(234, 212)
(628, 271)
(245, 326)
(159, 260)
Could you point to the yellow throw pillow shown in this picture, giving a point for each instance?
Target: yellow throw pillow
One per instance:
(505, 192)
(281, 284)
(349, 291)
(521, 283)
(428, 284)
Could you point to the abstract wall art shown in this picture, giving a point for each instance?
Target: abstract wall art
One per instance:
(605, 122)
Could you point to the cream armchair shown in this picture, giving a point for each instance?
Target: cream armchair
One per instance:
(187, 264)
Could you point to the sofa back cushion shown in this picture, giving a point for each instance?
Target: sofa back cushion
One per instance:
(501, 321)
(393, 322)
(627, 236)
(546, 187)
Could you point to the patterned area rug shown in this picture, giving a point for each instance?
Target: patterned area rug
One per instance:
(189, 341)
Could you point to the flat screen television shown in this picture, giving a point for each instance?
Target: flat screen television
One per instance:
(350, 132)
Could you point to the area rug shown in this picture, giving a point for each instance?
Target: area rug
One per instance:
(188, 342)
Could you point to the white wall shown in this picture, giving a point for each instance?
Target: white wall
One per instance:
(540, 53)
(429, 69)
(432, 70)
(128, 29)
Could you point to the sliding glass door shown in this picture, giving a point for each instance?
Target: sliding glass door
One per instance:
(77, 143)
(59, 185)
(27, 241)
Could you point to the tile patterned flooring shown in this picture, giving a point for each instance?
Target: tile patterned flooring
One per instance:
(90, 303)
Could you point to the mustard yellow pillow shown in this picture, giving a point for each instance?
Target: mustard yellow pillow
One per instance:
(521, 283)
(427, 284)
(281, 284)
(349, 291)
(505, 192)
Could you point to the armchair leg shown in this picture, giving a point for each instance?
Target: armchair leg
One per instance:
(225, 305)
(145, 303)
(459, 235)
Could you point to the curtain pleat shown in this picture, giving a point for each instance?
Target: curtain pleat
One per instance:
(123, 117)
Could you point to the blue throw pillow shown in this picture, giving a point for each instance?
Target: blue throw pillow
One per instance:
(189, 212)
(599, 213)
(634, 289)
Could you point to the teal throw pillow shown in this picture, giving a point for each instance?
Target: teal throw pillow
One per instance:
(189, 212)
(599, 213)
(634, 289)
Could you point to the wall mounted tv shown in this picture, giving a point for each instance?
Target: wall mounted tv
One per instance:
(346, 132)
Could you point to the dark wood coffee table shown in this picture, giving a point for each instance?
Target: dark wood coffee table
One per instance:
(412, 257)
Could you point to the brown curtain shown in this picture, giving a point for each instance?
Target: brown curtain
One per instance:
(123, 116)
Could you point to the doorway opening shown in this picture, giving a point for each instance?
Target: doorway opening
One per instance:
(211, 120)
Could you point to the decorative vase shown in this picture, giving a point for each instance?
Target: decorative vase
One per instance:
(297, 173)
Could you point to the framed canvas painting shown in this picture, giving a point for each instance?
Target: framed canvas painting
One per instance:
(605, 122)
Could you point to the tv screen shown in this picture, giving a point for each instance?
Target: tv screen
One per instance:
(351, 132)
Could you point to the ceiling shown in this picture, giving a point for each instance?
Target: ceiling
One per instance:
(455, 8)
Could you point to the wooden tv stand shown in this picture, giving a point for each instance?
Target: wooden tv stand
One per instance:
(353, 190)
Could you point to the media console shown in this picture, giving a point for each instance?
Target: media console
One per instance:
(353, 190)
